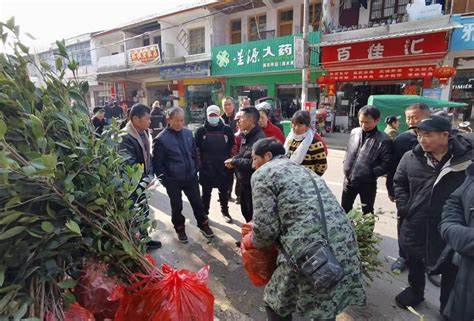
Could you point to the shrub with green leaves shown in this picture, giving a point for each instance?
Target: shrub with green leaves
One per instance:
(64, 193)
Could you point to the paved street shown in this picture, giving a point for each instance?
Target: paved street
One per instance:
(237, 299)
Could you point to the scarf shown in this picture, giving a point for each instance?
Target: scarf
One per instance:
(144, 142)
(300, 152)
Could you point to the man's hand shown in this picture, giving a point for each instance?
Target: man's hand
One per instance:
(228, 163)
(392, 198)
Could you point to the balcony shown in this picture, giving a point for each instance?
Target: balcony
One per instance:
(111, 63)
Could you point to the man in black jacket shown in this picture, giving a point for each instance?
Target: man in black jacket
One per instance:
(457, 230)
(175, 163)
(229, 113)
(402, 144)
(368, 156)
(135, 145)
(158, 119)
(424, 180)
(214, 142)
(242, 162)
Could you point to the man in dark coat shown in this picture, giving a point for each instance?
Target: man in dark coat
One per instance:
(158, 119)
(368, 156)
(99, 121)
(229, 113)
(402, 144)
(214, 142)
(175, 163)
(117, 111)
(457, 230)
(424, 180)
(242, 162)
(135, 145)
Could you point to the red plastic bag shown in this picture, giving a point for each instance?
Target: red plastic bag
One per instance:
(78, 313)
(181, 295)
(258, 263)
(94, 291)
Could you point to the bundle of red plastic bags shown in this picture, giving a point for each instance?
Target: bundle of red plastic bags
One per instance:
(258, 263)
(77, 313)
(180, 295)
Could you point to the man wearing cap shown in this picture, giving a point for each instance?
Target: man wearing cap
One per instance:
(214, 142)
(424, 180)
(392, 126)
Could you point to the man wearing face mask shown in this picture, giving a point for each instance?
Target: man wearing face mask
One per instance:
(214, 142)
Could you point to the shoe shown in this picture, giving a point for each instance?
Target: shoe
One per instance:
(182, 237)
(206, 231)
(399, 265)
(408, 298)
(435, 280)
(228, 218)
(153, 245)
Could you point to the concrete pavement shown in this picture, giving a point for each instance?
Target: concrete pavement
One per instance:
(236, 298)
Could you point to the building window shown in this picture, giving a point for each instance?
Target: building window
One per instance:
(257, 27)
(315, 10)
(197, 41)
(81, 53)
(382, 9)
(157, 41)
(236, 31)
(285, 22)
(146, 40)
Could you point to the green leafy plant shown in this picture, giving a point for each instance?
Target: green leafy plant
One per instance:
(368, 242)
(64, 192)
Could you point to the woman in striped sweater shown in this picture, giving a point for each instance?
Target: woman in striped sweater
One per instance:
(304, 146)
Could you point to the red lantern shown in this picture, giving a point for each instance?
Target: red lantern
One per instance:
(444, 73)
(322, 81)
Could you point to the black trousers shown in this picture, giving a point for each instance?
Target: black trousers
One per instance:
(223, 198)
(246, 205)
(366, 191)
(399, 227)
(191, 190)
(416, 279)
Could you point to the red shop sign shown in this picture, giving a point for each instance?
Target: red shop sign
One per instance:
(427, 46)
(388, 73)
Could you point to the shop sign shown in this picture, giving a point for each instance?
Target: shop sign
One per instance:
(388, 73)
(464, 63)
(434, 93)
(269, 55)
(463, 38)
(194, 70)
(427, 46)
(144, 56)
(419, 10)
(299, 52)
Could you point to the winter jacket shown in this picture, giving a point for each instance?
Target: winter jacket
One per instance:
(369, 158)
(137, 147)
(457, 230)
(243, 161)
(402, 144)
(285, 208)
(421, 191)
(158, 121)
(273, 131)
(174, 156)
(99, 125)
(391, 132)
(214, 145)
(230, 121)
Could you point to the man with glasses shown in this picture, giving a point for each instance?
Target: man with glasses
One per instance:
(424, 180)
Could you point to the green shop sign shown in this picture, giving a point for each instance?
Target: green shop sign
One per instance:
(267, 55)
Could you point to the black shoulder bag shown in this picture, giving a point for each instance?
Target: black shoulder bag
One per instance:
(316, 261)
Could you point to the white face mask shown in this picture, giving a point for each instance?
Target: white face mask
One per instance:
(213, 120)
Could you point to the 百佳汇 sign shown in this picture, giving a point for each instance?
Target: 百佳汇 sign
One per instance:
(463, 37)
(269, 55)
(144, 55)
(396, 73)
(401, 49)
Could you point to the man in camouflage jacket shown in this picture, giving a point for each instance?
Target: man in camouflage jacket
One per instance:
(285, 202)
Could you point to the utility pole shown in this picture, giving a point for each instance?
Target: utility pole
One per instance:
(304, 72)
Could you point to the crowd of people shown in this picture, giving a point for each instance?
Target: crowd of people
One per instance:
(275, 178)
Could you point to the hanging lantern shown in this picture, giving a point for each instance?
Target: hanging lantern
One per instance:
(444, 73)
(322, 81)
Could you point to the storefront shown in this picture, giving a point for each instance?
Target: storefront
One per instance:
(265, 68)
(399, 65)
(196, 89)
(461, 54)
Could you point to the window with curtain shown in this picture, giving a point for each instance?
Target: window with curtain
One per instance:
(197, 41)
(257, 27)
(236, 31)
(382, 9)
(285, 22)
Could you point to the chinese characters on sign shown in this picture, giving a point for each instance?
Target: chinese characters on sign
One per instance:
(384, 50)
(383, 73)
(463, 38)
(144, 55)
(277, 54)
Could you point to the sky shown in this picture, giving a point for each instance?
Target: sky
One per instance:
(51, 20)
